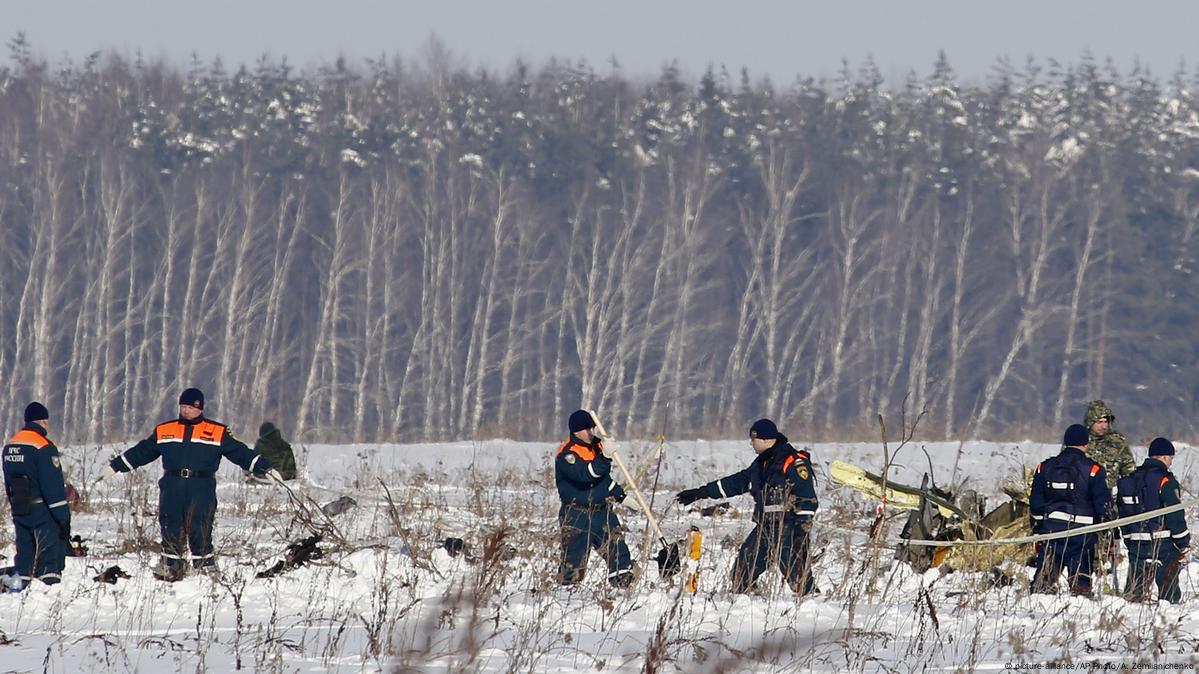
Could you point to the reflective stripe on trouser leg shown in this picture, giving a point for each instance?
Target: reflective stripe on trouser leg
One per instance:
(609, 542)
(171, 522)
(200, 512)
(40, 550)
(794, 558)
(583, 531)
(1168, 568)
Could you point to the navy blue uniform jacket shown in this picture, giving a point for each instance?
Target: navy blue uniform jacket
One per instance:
(583, 474)
(779, 479)
(196, 445)
(1068, 491)
(30, 456)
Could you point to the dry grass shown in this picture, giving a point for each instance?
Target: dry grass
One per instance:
(388, 596)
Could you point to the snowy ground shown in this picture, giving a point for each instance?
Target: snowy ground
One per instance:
(390, 597)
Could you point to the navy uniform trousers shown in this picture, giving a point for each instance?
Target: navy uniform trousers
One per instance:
(41, 552)
(1162, 563)
(587, 528)
(1075, 554)
(783, 541)
(186, 507)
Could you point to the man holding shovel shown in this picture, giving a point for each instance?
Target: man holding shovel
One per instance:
(583, 475)
(784, 491)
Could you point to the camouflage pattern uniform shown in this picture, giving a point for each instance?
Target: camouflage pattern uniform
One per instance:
(1109, 450)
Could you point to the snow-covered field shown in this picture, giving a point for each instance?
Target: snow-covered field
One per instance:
(388, 596)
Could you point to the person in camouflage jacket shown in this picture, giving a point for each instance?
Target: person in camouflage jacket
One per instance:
(1109, 447)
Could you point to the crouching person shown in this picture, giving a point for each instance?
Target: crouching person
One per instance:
(784, 492)
(1155, 547)
(274, 448)
(1069, 491)
(583, 475)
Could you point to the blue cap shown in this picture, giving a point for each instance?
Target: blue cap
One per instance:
(764, 429)
(36, 411)
(1161, 447)
(1076, 436)
(193, 397)
(580, 420)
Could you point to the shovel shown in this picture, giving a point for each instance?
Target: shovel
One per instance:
(668, 559)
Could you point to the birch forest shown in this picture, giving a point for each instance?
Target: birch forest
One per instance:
(398, 250)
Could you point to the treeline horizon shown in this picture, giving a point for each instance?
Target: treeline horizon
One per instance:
(412, 250)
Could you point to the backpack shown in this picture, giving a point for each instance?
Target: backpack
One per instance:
(1063, 482)
(1139, 493)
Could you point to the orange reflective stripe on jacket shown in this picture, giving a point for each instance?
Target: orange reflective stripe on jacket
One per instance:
(585, 453)
(171, 431)
(28, 437)
(208, 433)
(787, 462)
(1161, 486)
(204, 432)
(1094, 470)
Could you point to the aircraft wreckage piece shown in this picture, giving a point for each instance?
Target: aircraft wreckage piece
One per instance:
(935, 514)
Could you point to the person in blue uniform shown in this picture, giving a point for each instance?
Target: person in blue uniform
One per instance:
(783, 487)
(1156, 546)
(583, 475)
(1069, 491)
(37, 496)
(191, 448)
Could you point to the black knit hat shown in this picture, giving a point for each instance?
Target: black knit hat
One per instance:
(1161, 447)
(36, 411)
(764, 429)
(580, 420)
(193, 397)
(265, 429)
(1076, 436)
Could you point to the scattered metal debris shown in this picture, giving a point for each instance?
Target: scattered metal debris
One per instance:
(298, 554)
(111, 575)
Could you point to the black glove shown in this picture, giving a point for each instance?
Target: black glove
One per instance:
(618, 494)
(64, 531)
(689, 496)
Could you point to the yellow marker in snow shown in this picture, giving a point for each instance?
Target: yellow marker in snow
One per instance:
(695, 543)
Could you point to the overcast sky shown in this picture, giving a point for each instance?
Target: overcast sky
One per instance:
(771, 37)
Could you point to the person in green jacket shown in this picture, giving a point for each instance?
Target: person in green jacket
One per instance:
(278, 451)
(1108, 447)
